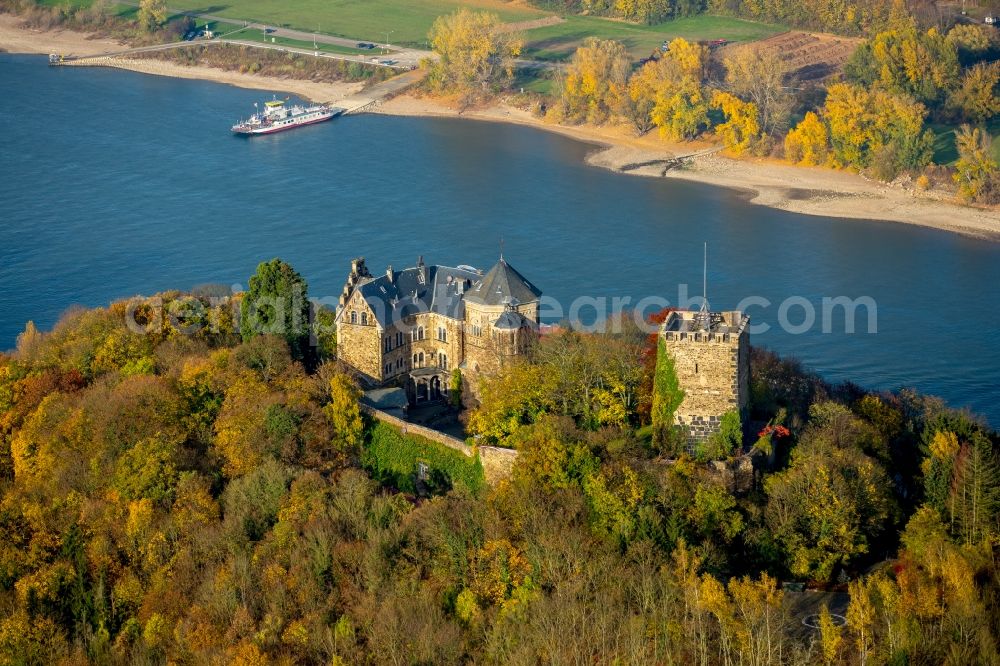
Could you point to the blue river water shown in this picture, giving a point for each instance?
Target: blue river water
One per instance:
(114, 184)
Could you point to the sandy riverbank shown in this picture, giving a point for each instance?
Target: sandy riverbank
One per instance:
(811, 191)
(16, 39)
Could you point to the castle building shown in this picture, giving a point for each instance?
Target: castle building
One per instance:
(711, 355)
(412, 328)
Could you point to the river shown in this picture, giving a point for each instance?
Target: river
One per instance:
(115, 184)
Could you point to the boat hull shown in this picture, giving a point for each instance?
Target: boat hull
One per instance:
(248, 130)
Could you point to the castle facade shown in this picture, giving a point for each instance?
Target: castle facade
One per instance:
(413, 328)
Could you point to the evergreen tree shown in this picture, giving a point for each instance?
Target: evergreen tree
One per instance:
(976, 491)
(277, 304)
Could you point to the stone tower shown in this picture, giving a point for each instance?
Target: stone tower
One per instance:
(501, 316)
(711, 354)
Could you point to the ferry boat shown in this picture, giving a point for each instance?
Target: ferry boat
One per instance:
(276, 117)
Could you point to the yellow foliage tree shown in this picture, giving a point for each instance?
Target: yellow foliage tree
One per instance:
(873, 128)
(922, 65)
(809, 143)
(344, 413)
(475, 53)
(681, 110)
(594, 85)
(970, 37)
(514, 398)
(240, 424)
(829, 636)
(674, 83)
(741, 130)
(976, 98)
(758, 76)
(689, 58)
(152, 14)
(975, 170)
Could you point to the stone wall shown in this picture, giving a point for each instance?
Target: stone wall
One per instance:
(485, 354)
(359, 345)
(497, 462)
(736, 475)
(432, 347)
(713, 369)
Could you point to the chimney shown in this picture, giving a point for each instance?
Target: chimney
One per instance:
(388, 273)
(421, 270)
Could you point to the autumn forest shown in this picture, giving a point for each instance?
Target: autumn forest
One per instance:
(197, 493)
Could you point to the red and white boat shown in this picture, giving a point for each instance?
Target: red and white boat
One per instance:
(276, 117)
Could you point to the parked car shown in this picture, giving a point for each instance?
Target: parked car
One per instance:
(268, 31)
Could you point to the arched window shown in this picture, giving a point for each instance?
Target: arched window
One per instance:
(354, 317)
(414, 360)
(420, 332)
(364, 318)
(421, 359)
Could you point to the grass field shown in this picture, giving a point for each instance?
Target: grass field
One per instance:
(557, 42)
(944, 142)
(410, 20)
(367, 20)
(258, 36)
(124, 11)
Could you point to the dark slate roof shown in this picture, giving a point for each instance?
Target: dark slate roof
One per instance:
(438, 291)
(509, 321)
(503, 285)
(386, 398)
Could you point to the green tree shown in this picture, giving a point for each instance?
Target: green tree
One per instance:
(455, 388)
(667, 395)
(831, 502)
(976, 99)
(904, 61)
(877, 130)
(325, 332)
(518, 396)
(149, 470)
(152, 14)
(976, 169)
(277, 304)
(976, 491)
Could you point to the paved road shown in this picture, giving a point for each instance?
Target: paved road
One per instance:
(403, 57)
